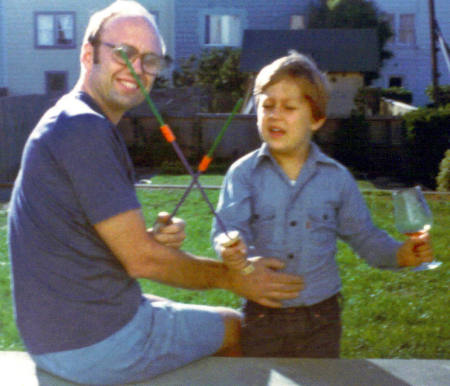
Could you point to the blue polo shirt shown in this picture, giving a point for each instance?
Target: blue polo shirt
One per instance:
(69, 290)
(299, 221)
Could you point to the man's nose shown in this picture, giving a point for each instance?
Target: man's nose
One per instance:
(137, 65)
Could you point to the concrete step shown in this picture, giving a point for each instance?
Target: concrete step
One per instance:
(17, 369)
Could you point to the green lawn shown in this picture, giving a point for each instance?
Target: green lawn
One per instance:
(386, 314)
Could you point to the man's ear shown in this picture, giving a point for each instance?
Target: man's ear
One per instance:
(87, 56)
(316, 125)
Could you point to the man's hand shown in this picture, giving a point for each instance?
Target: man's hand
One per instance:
(415, 251)
(265, 285)
(170, 232)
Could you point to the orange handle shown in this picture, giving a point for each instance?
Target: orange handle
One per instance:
(168, 134)
(204, 163)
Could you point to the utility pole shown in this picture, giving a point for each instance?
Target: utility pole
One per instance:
(434, 66)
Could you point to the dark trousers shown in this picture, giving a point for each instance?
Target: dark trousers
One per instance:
(300, 332)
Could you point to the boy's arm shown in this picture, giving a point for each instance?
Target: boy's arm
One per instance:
(234, 209)
(356, 228)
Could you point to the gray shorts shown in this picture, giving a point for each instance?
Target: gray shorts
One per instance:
(162, 336)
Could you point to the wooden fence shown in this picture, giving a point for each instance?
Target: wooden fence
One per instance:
(195, 132)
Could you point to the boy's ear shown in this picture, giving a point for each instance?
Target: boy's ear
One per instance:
(316, 125)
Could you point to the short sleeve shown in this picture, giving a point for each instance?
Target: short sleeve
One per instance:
(98, 166)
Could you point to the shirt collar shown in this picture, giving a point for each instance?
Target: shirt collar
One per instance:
(86, 98)
(315, 155)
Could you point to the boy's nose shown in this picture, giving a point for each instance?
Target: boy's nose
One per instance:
(275, 112)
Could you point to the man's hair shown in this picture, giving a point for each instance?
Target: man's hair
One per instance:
(117, 9)
(304, 71)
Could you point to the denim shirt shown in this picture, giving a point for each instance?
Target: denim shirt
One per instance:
(299, 222)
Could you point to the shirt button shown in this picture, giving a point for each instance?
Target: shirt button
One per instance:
(290, 256)
(293, 223)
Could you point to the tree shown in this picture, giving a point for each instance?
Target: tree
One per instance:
(352, 14)
(218, 71)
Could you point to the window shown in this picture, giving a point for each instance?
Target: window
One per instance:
(222, 30)
(395, 81)
(297, 22)
(403, 28)
(406, 30)
(55, 29)
(55, 82)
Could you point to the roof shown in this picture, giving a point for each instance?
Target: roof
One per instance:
(334, 50)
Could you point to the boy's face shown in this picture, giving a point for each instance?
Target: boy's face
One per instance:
(285, 119)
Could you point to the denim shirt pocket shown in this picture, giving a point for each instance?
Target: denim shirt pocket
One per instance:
(262, 225)
(322, 226)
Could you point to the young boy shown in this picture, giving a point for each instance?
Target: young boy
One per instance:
(290, 201)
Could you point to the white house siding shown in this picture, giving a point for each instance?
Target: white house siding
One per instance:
(26, 65)
(2, 47)
(344, 87)
(413, 64)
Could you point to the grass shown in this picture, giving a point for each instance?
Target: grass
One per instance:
(386, 314)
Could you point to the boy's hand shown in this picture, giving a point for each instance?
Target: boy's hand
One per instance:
(415, 251)
(233, 252)
(169, 232)
(234, 256)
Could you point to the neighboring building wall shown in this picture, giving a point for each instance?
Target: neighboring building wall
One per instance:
(253, 14)
(26, 65)
(344, 87)
(2, 47)
(412, 62)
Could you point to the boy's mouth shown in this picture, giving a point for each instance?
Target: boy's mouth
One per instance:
(276, 131)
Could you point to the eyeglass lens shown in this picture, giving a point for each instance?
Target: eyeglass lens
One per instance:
(151, 63)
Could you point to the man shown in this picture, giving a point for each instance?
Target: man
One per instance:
(78, 240)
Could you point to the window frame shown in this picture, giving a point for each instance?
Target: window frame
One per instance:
(204, 14)
(55, 45)
(297, 22)
(407, 29)
(47, 75)
(394, 21)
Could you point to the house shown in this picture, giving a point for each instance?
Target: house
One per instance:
(34, 59)
(343, 55)
(410, 66)
(204, 24)
(219, 23)
(40, 41)
(41, 53)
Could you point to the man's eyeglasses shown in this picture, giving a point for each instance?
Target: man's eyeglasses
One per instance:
(151, 63)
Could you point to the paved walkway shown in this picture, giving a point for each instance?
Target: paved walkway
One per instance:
(16, 369)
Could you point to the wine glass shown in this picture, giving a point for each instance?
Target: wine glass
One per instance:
(413, 217)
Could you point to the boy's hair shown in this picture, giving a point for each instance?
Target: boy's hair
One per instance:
(118, 8)
(304, 71)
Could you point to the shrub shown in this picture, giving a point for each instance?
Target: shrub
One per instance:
(367, 99)
(428, 138)
(161, 82)
(443, 178)
(185, 76)
(218, 71)
(443, 92)
(352, 142)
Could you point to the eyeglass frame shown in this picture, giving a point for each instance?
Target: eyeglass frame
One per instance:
(117, 56)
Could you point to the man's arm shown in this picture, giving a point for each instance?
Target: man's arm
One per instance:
(143, 257)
